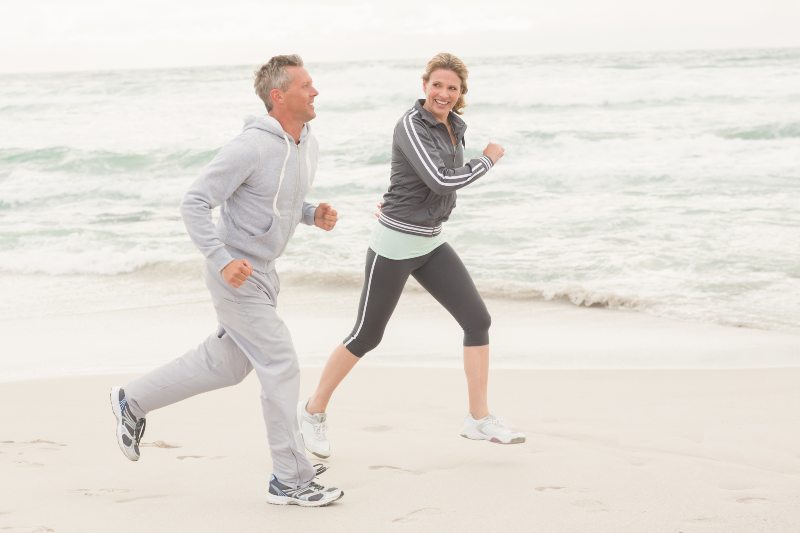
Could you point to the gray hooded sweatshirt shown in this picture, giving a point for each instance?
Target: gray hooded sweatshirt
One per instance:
(260, 179)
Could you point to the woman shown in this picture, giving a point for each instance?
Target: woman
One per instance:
(427, 168)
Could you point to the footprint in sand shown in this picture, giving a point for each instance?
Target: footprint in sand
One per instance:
(638, 461)
(590, 505)
(39, 444)
(137, 498)
(410, 516)
(706, 519)
(552, 487)
(26, 529)
(100, 492)
(751, 499)
(377, 428)
(159, 444)
(390, 467)
(28, 463)
(19, 448)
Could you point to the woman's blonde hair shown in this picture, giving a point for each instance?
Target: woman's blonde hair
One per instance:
(445, 61)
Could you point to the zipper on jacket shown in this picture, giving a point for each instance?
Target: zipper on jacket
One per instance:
(294, 196)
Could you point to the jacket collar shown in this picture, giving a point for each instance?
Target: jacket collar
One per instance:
(458, 124)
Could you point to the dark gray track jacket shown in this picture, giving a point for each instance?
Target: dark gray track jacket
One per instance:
(426, 171)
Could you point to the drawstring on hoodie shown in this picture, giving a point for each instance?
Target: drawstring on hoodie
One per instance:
(308, 167)
(283, 173)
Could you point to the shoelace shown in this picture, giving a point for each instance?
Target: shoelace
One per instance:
(315, 486)
(138, 433)
(492, 420)
(320, 468)
(320, 429)
(311, 485)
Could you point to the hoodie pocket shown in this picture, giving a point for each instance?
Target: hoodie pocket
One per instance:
(267, 235)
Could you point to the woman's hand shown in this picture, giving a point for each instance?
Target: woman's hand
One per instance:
(494, 152)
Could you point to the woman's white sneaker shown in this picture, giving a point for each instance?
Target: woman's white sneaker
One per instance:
(492, 429)
(314, 431)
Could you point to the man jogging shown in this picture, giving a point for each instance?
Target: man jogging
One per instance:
(259, 180)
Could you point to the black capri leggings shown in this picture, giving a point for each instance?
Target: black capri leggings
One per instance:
(441, 273)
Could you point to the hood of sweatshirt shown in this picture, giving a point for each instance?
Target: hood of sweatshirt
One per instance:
(271, 125)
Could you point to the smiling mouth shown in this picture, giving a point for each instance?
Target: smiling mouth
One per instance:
(441, 102)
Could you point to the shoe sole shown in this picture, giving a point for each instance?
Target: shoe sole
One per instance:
(114, 393)
(515, 440)
(285, 500)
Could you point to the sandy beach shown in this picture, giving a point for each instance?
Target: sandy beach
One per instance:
(609, 449)
(638, 451)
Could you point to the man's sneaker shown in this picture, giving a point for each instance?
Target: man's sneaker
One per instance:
(310, 495)
(492, 429)
(129, 428)
(313, 429)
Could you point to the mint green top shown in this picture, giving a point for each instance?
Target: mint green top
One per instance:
(395, 245)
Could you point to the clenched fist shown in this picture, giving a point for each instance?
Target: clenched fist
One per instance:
(236, 272)
(494, 152)
(325, 217)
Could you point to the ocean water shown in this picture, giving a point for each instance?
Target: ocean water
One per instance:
(664, 183)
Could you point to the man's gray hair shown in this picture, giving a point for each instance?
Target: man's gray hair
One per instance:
(273, 75)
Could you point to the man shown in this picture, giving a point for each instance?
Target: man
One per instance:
(260, 180)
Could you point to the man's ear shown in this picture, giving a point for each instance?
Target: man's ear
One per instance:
(276, 95)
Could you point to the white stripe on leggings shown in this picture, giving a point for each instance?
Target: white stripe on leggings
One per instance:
(366, 301)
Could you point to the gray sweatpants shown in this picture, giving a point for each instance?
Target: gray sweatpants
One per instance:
(251, 335)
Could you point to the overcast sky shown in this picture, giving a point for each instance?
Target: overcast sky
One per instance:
(48, 35)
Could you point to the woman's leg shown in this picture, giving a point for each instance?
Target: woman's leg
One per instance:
(447, 279)
(476, 367)
(339, 364)
(384, 280)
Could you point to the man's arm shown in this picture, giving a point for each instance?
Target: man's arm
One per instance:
(234, 163)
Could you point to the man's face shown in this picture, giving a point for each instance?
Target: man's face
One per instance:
(299, 97)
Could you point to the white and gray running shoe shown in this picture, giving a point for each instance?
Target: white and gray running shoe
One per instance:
(492, 429)
(314, 429)
(129, 428)
(309, 495)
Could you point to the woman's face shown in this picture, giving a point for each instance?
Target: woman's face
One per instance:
(441, 92)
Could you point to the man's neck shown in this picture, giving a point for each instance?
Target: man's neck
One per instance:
(292, 127)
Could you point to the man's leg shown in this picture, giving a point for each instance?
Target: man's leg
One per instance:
(217, 362)
(250, 319)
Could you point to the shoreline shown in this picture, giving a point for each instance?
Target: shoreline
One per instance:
(524, 335)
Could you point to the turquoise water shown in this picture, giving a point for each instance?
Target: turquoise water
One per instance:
(667, 183)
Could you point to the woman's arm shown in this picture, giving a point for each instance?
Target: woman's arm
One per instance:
(417, 145)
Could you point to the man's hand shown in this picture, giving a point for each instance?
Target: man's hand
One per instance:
(325, 217)
(236, 272)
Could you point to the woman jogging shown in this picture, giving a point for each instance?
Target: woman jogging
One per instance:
(427, 169)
